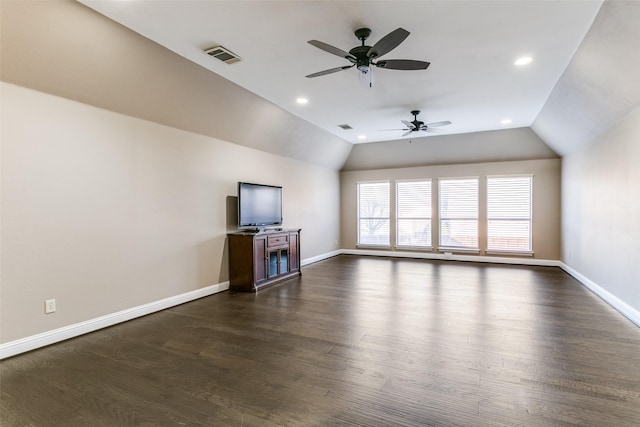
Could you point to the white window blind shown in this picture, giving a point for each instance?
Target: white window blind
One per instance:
(413, 219)
(509, 213)
(458, 213)
(373, 213)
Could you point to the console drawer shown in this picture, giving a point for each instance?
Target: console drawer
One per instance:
(278, 240)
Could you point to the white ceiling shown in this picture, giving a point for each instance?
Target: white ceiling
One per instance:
(471, 46)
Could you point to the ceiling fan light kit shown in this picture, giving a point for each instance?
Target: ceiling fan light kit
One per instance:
(363, 57)
(366, 77)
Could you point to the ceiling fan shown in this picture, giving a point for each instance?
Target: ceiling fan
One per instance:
(417, 125)
(363, 57)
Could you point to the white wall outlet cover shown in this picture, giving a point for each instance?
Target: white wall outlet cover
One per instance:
(50, 306)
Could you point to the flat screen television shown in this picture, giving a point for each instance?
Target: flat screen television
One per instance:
(259, 205)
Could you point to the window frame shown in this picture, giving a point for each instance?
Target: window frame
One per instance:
(429, 218)
(449, 248)
(359, 244)
(528, 251)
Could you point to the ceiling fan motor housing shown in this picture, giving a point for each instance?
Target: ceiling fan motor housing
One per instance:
(416, 123)
(360, 53)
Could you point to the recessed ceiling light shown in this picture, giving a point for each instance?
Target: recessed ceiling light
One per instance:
(362, 137)
(302, 101)
(506, 121)
(523, 61)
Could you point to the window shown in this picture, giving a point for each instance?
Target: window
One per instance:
(373, 213)
(413, 207)
(509, 213)
(458, 213)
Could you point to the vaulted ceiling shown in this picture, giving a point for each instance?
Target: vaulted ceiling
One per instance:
(582, 78)
(601, 84)
(472, 46)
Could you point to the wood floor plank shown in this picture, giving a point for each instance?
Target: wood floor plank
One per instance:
(354, 341)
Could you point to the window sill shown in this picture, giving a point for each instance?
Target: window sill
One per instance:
(510, 253)
(459, 250)
(373, 246)
(414, 248)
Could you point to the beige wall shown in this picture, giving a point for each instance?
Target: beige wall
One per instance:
(105, 212)
(63, 48)
(546, 197)
(477, 147)
(601, 210)
(120, 164)
(592, 119)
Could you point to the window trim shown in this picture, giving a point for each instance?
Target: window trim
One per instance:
(358, 218)
(529, 252)
(444, 248)
(429, 247)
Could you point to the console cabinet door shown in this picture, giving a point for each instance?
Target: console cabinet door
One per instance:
(284, 261)
(260, 258)
(294, 258)
(278, 262)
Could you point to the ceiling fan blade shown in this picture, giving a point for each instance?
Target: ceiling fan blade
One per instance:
(331, 49)
(394, 130)
(407, 133)
(329, 71)
(403, 64)
(388, 43)
(436, 124)
(407, 123)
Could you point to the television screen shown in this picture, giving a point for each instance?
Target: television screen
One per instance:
(259, 205)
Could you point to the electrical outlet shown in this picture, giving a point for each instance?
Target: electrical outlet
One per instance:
(50, 306)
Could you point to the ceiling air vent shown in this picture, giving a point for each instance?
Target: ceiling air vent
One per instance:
(345, 127)
(222, 54)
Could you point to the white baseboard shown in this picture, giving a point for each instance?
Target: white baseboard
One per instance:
(50, 337)
(317, 258)
(454, 257)
(43, 339)
(33, 342)
(622, 307)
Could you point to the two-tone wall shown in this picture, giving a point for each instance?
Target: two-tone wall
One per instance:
(119, 162)
(601, 214)
(592, 119)
(119, 166)
(104, 212)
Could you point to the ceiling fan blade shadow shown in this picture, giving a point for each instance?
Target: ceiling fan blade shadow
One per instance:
(437, 124)
(388, 43)
(403, 64)
(329, 71)
(331, 49)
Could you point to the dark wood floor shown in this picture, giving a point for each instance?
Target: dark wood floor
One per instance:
(355, 341)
